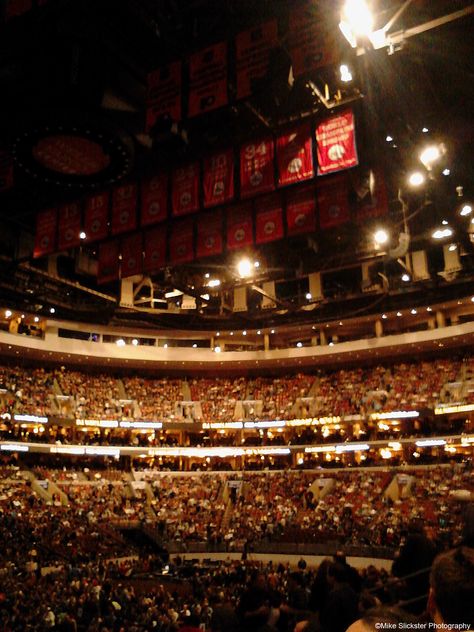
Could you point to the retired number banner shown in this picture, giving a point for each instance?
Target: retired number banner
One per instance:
(253, 48)
(256, 168)
(69, 226)
(155, 249)
(336, 144)
(269, 219)
(154, 200)
(109, 263)
(181, 242)
(301, 212)
(208, 79)
(218, 179)
(124, 208)
(96, 216)
(239, 227)
(374, 204)
(164, 94)
(295, 156)
(313, 40)
(209, 234)
(132, 255)
(333, 202)
(185, 189)
(45, 239)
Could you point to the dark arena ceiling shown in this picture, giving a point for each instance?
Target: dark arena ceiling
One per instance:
(74, 80)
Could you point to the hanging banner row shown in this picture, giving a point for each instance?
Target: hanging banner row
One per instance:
(288, 160)
(242, 225)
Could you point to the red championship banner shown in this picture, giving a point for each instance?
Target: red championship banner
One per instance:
(45, 238)
(301, 212)
(15, 8)
(69, 226)
(239, 227)
(164, 94)
(313, 40)
(96, 217)
(185, 189)
(218, 179)
(154, 200)
(155, 249)
(374, 204)
(256, 168)
(336, 144)
(209, 234)
(109, 263)
(333, 202)
(294, 156)
(132, 255)
(253, 48)
(269, 219)
(208, 79)
(181, 242)
(124, 208)
(6, 171)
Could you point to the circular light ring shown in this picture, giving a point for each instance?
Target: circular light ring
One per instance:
(95, 153)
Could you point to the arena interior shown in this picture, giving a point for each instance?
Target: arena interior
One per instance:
(236, 315)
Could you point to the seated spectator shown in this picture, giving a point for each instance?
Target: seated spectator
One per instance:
(451, 599)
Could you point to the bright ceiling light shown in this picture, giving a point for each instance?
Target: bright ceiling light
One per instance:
(413, 311)
(381, 236)
(272, 331)
(207, 275)
(8, 313)
(405, 277)
(309, 296)
(217, 349)
(416, 179)
(82, 235)
(214, 283)
(430, 155)
(425, 130)
(120, 342)
(194, 345)
(259, 332)
(466, 210)
(135, 342)
(452, 247)
(299, 344)
(446, 172)
(244, 268)
(51, 310)
(389, 139)
(384, 316)
(256, 264)
(36, 319)
(442, 233)
(165, 346)
(399, 314)
(244, 333)
(346, 75)
(356, 21)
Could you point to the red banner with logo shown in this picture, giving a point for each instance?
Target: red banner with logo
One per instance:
(6, 171)
(208, 79)
(256, 168)
(209, 235)
(336, 144)
(132, 255)
(301, 212)
(375, 202)
(294, 156)
(269, 219)
(96, 217)
(182, 242)
(333, 202)
(239, 227)
(154, 202)
(69, 226)
(15, 8)
(253, 48)
(218, 179)
(185, 189)
(124, 208)
(45, 238)
(155, 249)
(313, 40)
(109, 263)
(164, 94)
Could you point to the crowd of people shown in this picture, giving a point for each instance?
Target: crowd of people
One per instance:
(358, 391)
